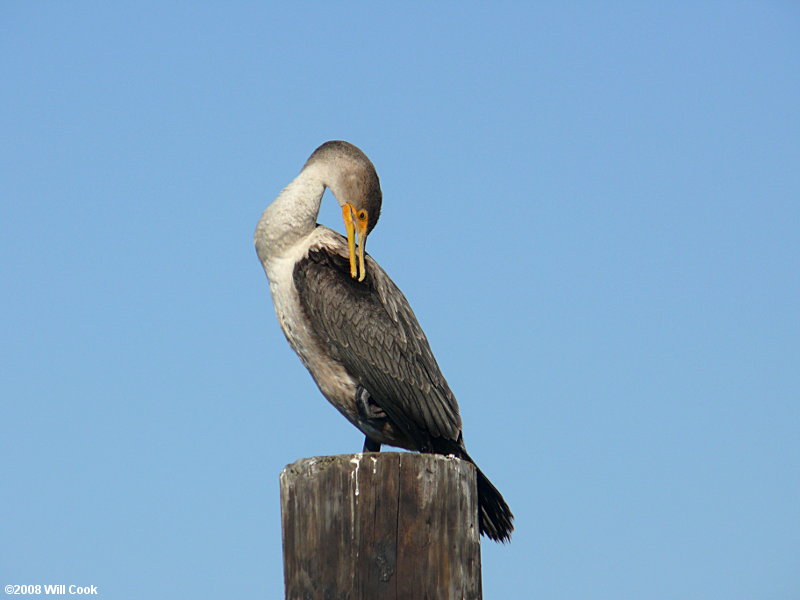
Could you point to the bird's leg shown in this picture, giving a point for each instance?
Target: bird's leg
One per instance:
(371, 445)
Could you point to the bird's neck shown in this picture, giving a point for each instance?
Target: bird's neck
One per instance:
(292, 216)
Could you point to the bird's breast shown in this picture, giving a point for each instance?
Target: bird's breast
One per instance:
(331, 377)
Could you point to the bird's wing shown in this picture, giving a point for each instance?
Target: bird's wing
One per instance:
(371, 329)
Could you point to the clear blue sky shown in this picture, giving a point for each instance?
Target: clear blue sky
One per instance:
(593, 208)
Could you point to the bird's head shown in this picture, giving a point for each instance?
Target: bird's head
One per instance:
(352, 178)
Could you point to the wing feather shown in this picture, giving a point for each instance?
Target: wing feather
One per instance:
(371, 329)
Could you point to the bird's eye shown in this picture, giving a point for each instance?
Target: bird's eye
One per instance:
(362, 215)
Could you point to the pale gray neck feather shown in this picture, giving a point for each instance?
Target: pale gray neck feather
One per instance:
(292, 216)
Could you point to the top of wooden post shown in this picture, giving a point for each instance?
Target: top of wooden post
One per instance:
(381, 525)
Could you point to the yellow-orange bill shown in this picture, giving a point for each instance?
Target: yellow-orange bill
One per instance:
(362, 238)
(347, 215)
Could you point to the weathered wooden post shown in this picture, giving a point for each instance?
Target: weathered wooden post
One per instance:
(386, 526)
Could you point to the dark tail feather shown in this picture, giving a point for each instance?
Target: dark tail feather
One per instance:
(494, 516)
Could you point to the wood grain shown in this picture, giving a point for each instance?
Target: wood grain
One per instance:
(390, 525)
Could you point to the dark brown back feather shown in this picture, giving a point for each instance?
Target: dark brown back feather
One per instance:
(370, 328)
